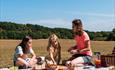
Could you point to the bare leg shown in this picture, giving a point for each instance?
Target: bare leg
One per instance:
(77, 62)
(21, 62)
(30, 63)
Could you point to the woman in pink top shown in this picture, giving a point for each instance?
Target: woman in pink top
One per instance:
(81, 53)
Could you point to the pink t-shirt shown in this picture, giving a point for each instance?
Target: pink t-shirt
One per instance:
(80, 41)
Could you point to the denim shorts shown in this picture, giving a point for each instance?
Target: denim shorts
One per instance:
(87, 59)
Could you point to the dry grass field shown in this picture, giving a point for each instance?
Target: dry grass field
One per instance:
(7, 48)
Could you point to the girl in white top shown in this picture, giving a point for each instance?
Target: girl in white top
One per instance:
(21, 54)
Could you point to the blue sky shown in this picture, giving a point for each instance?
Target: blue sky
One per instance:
(96, 15)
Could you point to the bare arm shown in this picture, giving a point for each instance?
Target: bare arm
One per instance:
(87, 47)
(51, 50)
(33, 54)
(21, 59)
(72, 48)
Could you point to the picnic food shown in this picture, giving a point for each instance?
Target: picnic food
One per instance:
(39, 60)
(51, 66)
(62, 68)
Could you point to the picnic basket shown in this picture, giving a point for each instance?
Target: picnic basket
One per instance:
(108, 60)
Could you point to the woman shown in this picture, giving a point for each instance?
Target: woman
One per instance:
(21, 54)
(54, 50)
(81, 53)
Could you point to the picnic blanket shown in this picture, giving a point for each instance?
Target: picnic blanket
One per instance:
(64, 68)
(91, 68)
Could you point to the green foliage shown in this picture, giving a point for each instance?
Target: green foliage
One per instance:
(111, 35)
(11, 30)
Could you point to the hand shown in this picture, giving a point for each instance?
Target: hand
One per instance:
(74, 52)
(54, 63)
(53, 66)
(69, 50)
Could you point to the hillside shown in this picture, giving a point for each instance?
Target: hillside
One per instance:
(12, 30)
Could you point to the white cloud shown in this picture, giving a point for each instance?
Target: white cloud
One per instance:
(92, 14)
(96, 21)
(98, 24)
(52, 23)
(91, 21)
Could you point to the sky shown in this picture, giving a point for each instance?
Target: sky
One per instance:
(96, 15)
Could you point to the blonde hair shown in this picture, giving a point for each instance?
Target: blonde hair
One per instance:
(58, 47)
(52, 37)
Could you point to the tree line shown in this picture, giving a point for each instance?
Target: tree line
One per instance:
(12, 30)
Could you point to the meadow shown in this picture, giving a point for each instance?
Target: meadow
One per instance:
(7, 48)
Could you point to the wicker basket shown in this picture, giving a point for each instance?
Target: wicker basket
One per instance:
(107, 60)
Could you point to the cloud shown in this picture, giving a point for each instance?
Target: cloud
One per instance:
(91, 24)
(91, 21)
(98, 24)
(96, 21)
(53, 23)
(92, 14)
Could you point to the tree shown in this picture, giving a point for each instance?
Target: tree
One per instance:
(111, 36)
(12, 30)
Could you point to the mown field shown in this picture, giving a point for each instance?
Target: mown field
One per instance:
(7, 48)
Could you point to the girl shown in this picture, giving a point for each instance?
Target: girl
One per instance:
(82, 52)
(54, 50)
(21, 54)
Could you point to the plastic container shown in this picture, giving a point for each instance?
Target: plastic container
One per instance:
(97, 61)
(68, 66)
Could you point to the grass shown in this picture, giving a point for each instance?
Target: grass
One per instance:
(7, 48)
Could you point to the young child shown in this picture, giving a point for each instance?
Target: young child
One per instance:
(21, 54)
(81, 53)
(54, 50)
